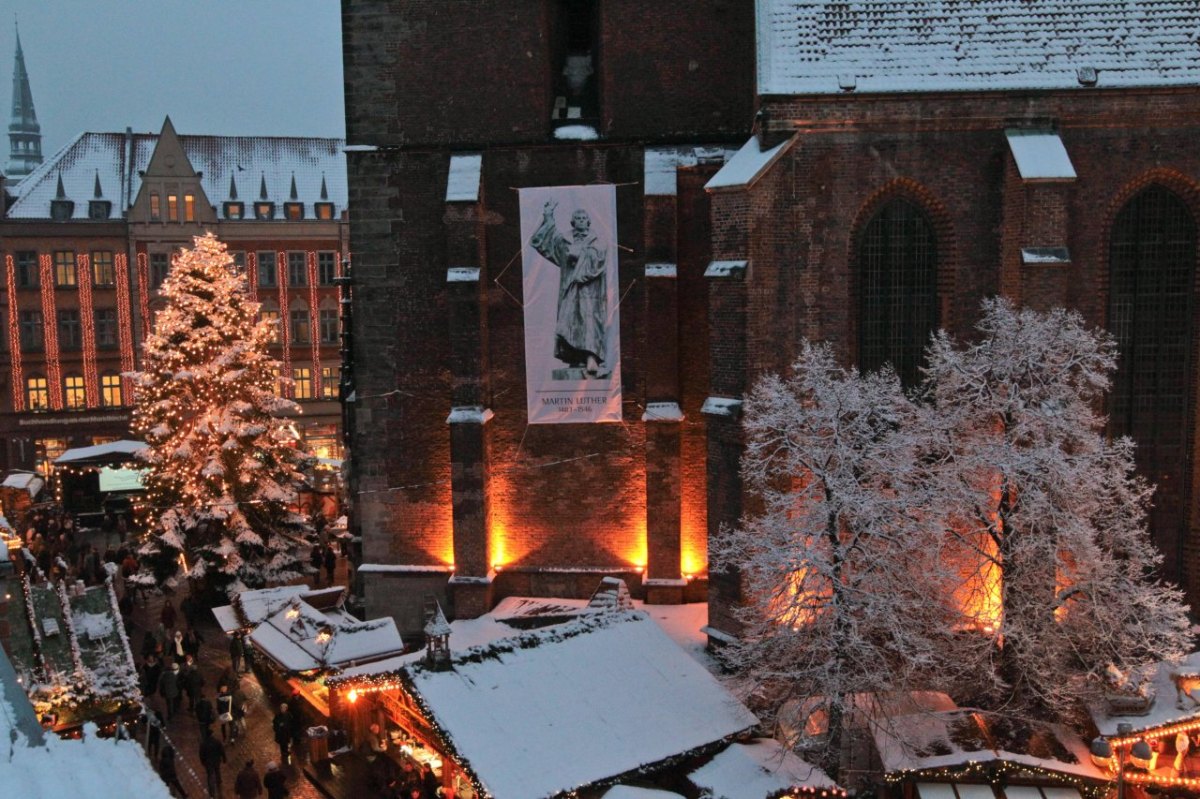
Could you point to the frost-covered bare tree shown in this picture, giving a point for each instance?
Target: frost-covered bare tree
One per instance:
(846, 592)
(1027, 482)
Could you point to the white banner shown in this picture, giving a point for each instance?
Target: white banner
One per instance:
(572, 328)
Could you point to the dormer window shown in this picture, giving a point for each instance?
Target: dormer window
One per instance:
(155, 207)
(62, 210)
(323, 210)
(293, 211)
(99, 209)
(264, 210)
(189, 208)
(235, 210)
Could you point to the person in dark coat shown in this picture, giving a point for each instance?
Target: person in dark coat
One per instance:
(297, 719)
(191, 642)
(275, 781)
(236, 650)
(154, 722)
(330, 563)
(205, 715)
(282, 726)
(168, 687)
(212, 755)
(166, 770)
(191, 681)
(248, 785)
(316, 559)
(151, 671)
(167, 615)
(429, 782)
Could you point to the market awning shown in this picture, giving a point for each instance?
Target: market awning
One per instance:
(111, 454)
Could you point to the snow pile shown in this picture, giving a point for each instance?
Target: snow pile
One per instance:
(576, 133)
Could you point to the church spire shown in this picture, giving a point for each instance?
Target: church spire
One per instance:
(24, 132)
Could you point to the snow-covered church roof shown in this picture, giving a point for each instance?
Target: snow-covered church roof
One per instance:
(948, 45)
(115, 161)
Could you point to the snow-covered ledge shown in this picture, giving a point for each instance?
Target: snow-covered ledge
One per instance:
(725, 268)
(469, 414)
(660, 270)
(462, 274)
(722, 406)
(401, 568)
(664, 582)
(465, 579)
(662, 412)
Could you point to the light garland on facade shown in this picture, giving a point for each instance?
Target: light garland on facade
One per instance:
(14, 335)
(252, 273)
(286, 388)
(143, 277)
(314, 327)
(50, 332)
(1191, 725)
(124, 327)
(87, 322)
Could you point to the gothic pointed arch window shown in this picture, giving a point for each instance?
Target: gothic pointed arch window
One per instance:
(1152, 260)
(897, 288)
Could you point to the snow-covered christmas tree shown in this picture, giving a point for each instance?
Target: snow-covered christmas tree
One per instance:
(223, 465)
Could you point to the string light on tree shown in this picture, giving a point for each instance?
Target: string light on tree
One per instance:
(223, 467)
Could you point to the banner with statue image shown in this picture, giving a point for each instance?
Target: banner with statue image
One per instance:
(572, 325)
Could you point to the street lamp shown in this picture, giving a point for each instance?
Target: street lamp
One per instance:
(1103, 752)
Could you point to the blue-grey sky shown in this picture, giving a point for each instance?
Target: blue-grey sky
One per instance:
(254, 67)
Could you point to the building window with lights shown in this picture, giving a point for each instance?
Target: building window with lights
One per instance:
(299, 328)
(155, 207)
(173, 207)
(270, 314)
(160, 264)
(106, 328)
(69, 337)
(189, 208)
(302, 383)
(239, 261)
(37, 394)
(323, 210)
(330, 378)
(64, 268)
(103, 273)
(110, 390)
(326, 267)
(27, 270)
(267, 273)
(30, 330)
(73, 392)
(329, 326)
(297, 269)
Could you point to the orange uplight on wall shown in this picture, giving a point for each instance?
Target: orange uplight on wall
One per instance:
(691, 561)
(979, 593)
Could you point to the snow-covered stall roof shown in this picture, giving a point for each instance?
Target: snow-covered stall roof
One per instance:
(951, 738)
(757, 769)
(39, 766)
(249, 160)
(251, 607)
(299, 638)
(1176, 691)
(26, 481)
(636, 792)
(945, 45)
(112, 452)
(553, 710)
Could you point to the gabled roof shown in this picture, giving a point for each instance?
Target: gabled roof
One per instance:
(554, 710)
(249, 162)
(300, 638)
(758, 769)
(948, 45)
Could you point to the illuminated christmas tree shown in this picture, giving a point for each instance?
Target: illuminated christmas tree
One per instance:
(223, 465)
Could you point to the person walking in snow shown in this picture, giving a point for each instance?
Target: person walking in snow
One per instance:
(168, 687)
(236, 650)
(275, 781)
(282, 726)
(167, 772)
(248, 785)
(212, 755)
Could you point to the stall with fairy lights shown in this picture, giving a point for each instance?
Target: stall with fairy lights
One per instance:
(301, 636)
(601, 698)
(1149, 728)
(71, 654)
(962, 754)
(85, 477)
